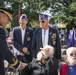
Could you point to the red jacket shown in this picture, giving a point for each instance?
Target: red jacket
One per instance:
(64, 69)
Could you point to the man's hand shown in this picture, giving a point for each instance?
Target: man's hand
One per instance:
(43, 59)
(21, 66)
(21, 54)
(25, 50)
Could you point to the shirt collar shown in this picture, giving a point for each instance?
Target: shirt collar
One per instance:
(23, 29)
(46, 29)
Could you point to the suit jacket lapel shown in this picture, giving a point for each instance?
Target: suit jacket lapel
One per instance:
(40, 37)
(20, 35)
(26, 35)
(49, 38)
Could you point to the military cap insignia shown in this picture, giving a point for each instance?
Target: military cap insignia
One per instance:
(53, 35)
(28, 39)
(43, 17)
(50, 33)
(24, 16)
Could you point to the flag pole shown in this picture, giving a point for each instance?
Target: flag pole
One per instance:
(19, 12)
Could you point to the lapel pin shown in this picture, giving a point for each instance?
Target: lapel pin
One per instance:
(50, 33)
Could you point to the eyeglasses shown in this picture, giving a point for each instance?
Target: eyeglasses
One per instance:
(73, 54)
(42, 21)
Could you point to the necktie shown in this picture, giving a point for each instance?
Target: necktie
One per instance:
(44, 38)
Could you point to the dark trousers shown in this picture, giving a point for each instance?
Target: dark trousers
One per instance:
(24, 59)
(25, 72)
(2, 71)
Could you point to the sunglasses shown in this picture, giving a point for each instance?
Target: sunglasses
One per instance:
(42, 21)
(73, 54)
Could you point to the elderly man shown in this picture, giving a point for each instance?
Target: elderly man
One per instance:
(45, 35)
(70, 67)
(45, 63)
(22, 36)
(5, 18)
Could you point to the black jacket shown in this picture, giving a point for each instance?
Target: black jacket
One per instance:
(37, 68)
(5, 52)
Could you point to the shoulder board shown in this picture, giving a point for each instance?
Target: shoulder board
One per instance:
(15, 62)
(1, 27)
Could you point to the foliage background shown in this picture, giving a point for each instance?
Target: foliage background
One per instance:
(62, 11)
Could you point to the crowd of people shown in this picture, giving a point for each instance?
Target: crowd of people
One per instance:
(37, 52)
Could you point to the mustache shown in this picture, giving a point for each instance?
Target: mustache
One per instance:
(72, 61)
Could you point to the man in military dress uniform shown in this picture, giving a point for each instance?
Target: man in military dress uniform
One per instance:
(5, 18)
(45, 35)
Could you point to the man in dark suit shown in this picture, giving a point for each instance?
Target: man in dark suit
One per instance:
(22, 36)
(5, 18)
(45, 35)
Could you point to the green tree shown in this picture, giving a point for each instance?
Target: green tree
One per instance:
(61, 10)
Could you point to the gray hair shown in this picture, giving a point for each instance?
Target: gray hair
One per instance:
(70, 49)
(50, 48)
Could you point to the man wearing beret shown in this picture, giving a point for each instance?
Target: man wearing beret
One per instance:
(45, 35)
(22, 37)
(5, 18)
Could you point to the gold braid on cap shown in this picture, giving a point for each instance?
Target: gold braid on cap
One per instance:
(7, 13)
(1, 27)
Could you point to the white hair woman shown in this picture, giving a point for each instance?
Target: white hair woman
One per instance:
(51, 61)
(49, 50)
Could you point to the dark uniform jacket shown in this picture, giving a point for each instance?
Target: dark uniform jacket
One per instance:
(38, 68)
(5, 53)
(17, 41)
(53, 40)
(52, 66)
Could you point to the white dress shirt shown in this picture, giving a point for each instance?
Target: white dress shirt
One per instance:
(23, 35)
(45, 35)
